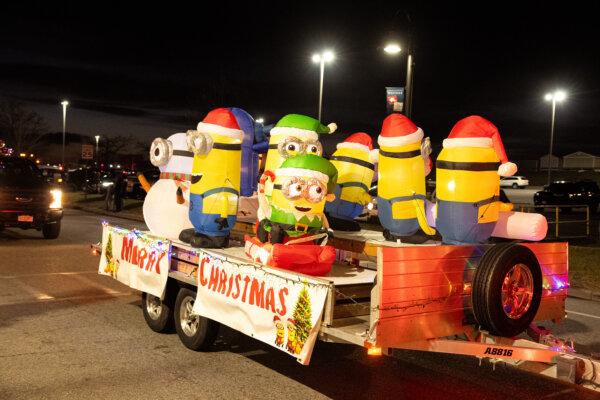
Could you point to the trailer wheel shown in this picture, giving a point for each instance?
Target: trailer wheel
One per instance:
(158, 314)
(195, 331)
(507, 289)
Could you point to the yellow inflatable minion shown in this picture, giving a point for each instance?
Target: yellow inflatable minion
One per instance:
(468, 171)
(215, 181)
(403, 164)
(293, 135)
(354, 160)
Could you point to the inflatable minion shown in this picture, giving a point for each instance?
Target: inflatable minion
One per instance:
(295, 207)
(215, 184)
(468, 173)
(403, 163)
(294, 135)
(354, 159)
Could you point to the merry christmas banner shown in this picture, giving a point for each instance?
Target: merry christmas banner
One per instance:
(138, 260)
(273, 306)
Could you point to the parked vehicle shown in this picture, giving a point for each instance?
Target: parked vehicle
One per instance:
(54, 175)
(27, 199)
(515, 182)
(133, 188)
(84, 179)
(565, 193)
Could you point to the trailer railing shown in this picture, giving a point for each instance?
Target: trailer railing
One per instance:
(554, 217)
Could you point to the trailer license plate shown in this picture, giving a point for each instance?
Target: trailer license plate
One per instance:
(25, 218)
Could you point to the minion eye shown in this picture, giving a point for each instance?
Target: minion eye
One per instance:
(293, 188)
(314, 148)
(161, 152)
(290, 147)
(316, 192)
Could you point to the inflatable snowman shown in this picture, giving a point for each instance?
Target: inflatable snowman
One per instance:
(166, 207)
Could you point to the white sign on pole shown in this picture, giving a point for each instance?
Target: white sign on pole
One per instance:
(138, 260)
(87, 152)
(271, 305)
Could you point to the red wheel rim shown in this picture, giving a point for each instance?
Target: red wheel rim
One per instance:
(517, 291)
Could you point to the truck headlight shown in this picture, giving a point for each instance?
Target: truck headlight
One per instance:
(56, 199)
(106, 184)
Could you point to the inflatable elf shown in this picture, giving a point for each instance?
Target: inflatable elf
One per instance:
(468, 173)
(354, 160)
(295, 206)
(294, 135)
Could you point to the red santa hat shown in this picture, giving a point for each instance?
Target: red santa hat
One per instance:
(221, 121)
(276, 319)
(360, 141)
(397, 130)
(291, 320)
(475, 131)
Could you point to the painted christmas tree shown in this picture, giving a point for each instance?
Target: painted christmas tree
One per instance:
(302, 317)
(110, 265)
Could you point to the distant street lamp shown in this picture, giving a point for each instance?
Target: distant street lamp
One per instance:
(97, 140)
(322, 58)
(557, 96)
(260, 120)
(394, 49)
(64, 104)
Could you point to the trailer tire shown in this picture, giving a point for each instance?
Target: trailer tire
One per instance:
(507, 289)
(157, 313)
(196, 332)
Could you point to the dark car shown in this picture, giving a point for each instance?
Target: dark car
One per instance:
(27, 199)
(133, 188)
(565, 193)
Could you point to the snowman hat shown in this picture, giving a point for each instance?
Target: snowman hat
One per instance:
(302, 127)
(360, 141)
(398, 130)
(221, 121)
(312, 166)
(476, 131)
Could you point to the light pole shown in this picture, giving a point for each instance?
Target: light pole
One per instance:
(393, 49)
(555, 97)
(97, 155)
(322, 58)
(64, 104)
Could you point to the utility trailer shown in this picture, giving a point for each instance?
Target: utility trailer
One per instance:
(469, 300)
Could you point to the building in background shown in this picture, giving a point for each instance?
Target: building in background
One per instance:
(555, 162)
(581, 160)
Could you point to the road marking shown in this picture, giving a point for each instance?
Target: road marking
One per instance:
(38, 294)
(583, 314)
(47, 274)
(72, 298)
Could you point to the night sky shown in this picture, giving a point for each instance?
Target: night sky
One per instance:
(154, 70)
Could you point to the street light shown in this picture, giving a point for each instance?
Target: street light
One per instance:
(260, 120)
(322, 58)
(64, 104)
(97, 140)
(555, 97)
(393, 49)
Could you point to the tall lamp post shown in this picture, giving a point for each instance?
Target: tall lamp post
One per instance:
(64, 104)
(97, 155)
(393, 49)
(556, 97)
(322, 58)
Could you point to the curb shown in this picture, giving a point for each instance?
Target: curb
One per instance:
(107, 213)
(585, 294)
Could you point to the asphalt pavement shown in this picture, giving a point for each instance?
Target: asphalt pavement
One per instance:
(66, 332)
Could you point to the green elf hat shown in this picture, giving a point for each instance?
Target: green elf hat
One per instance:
(310, 165)
(302, 127)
